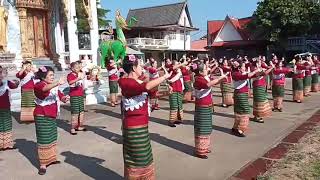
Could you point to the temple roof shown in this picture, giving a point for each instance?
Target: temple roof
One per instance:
(157, 16)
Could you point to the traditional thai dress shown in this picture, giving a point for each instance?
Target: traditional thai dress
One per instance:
(261, 106)
(154, 74)
(137, 151)
(203, 115)
(76, 100)
(226, 88)
(315, 77)
(307, 80)
(186, 79)
(27, 96)
(5, 115)
(297, 83)
(241, 101)
(45, 114)
(176, 98)
(248, 69)
(113, 79)
(268, 77)
(279, 81)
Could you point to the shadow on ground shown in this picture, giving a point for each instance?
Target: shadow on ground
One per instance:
(29, 150)
(91, 166)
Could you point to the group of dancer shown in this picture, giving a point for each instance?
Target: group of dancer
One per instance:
(189, 80)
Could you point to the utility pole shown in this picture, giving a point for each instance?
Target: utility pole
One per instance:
(184, 34)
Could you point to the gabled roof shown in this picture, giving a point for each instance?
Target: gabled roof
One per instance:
(214, 27)
(159, 15)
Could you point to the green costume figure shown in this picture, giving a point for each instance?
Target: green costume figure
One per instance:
(116, 48)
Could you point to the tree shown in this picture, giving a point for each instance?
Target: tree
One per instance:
(280, 19)
(102, 13)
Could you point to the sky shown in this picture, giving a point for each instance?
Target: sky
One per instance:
(201, 10)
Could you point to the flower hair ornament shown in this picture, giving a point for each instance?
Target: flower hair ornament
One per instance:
(132, 58)
(43, 69)
(194, 66)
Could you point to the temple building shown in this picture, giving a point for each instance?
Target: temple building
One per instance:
(161, 31)
(229, 37)
(44, 31)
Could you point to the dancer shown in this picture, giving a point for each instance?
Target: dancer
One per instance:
(186, 73)
(154, 74)
(261, 106)
(47, 109)
(75, 79)
(137, 151)
(113, 82)
(6, 142)
(278, 84)
(307, 80)
(241, 98)
(315, 74)
(297, 80)
(203, 109)
(226, 86)
(26, 75)
(175, 98)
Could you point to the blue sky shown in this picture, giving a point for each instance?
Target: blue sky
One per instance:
(201, 10)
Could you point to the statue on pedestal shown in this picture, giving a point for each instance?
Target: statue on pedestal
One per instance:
(3, 27)
(116, 49)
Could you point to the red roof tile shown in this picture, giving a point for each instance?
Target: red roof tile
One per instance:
(240, 24)
(199, 45)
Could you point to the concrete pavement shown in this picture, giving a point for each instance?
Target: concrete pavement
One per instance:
(97, 154)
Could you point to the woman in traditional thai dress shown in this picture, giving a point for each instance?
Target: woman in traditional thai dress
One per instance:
(240, 78)
(261, 105)
(137, 151)
(226, 86)
(6, 139)
(26, 76)
(307, 80)
(113, 82)
(154, 74)
(278, 84)
(176, 96)
(315, 74)
(77, 99)
(188, 89)
(47, 109)
(203, 109)
(297, 81)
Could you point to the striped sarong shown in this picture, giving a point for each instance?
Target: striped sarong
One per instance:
(307, 84)
(27, 105)
(227, 93)
(297, 86)
(315, 83)
(137, 154)
(113, 86)
(46, 131)
(176, 107)
(261, 106)
(241, 111)
(187, 86)
(202, 129)
(277, 91)
(5, 129)
(77, 104)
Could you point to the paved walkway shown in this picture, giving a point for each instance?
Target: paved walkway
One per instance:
(97, 154)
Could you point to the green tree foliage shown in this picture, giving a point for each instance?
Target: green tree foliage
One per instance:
(102, 21)
(280, 19)
(83, 23)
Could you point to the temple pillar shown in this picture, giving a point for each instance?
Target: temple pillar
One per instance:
(23, 29)
(73, 32)
(94, 32)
